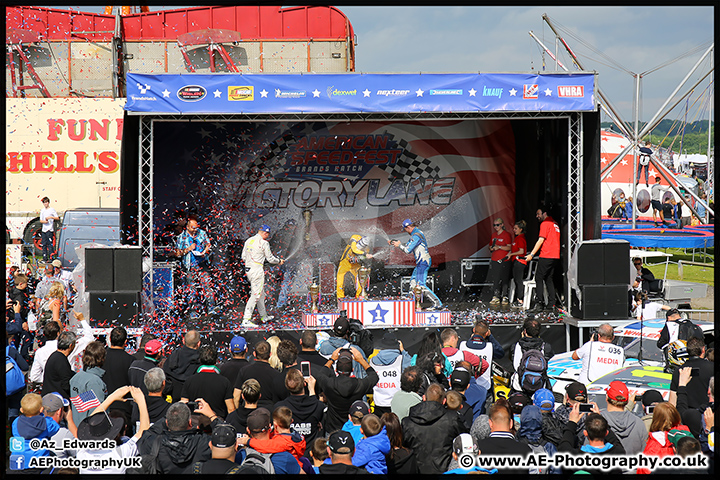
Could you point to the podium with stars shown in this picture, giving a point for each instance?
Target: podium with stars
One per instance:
(380, 314)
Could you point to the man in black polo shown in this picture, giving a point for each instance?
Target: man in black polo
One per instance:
(117, 364)
(238, 350)
(697, 387)
(208, 384)
(263, 373)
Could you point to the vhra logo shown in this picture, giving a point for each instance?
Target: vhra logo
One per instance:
(241, 94)
(191, 93)
(530, 91)
(576, 91)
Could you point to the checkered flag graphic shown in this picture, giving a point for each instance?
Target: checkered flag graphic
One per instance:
(410, 165)
(267, 166)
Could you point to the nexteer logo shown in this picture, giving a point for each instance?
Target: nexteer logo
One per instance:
(392, 93)
(241, 94)
(574, 91)
(530, 91)
(191, 93)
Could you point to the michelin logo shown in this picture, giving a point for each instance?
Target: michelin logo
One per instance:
(289, 93)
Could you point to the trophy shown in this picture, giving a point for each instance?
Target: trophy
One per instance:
(307, 216)
(417, 290)
(314, 297)
(363, 275)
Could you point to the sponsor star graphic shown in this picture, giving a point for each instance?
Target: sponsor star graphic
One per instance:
(166, 93)
(472, 92)
(316, 93)
(204, 133)
(324, 321)
(366, 93)
(548, 92)
(512, 92)
(263, 93)
(419, 92)
(378, 314)
(432, 318)
(217, 93)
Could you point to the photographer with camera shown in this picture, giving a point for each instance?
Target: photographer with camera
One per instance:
(599, 356)
(347, 333)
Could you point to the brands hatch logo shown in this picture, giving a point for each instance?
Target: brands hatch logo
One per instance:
(143, 88)
(334, 92)
(191, 93)
(530, 91)
(574, 91)
(446, 91)
(241, 94)
(392, 93)
(289, 93)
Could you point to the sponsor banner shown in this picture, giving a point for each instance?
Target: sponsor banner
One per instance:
(381, 313)
(360, 93)
(322, 320)
(433, 318)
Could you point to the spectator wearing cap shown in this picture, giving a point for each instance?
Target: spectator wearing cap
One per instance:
(259, 424)
(599, 356)
(238, 360)
(157, 406)
(408, 395)
(459, 381)
(465, 444)
(650, 399)
(575, 392)
(531, 433)
(140, 352)
(183, 362)
(599, 438)
(628, 427)
(429, 429)
(551, 426)
(65, 276)
(389, 363)
(249, 396)
(99, 426)
(357, 412)
(254, 253)
(501, 440)
(117, 365)
(138, 368)
(696, 387)
(207, 383)
(341, 339)
(474, 394)
(341, 391)
(307, 410)
(341, 448)
(57, 372)
(223, 448)
(261, 371)
(676, 328)
(90, 378)
(58, 408)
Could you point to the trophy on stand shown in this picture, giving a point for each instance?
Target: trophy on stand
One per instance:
(363, 275)
(314, 297)
(417, 290)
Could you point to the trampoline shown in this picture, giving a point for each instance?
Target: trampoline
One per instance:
(663, 237)
(609, 223)
(703, 228)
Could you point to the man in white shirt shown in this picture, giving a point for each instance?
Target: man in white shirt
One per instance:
(255, 251)
(51, 331)
(65, 276)
(599, 356)
(48, 215)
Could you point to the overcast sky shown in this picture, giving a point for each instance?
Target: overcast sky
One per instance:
(496, 39)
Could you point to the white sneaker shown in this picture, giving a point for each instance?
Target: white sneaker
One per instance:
(248, 324)
(267, 318)
(495, 301)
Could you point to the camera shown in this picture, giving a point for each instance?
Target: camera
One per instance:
(192, 406)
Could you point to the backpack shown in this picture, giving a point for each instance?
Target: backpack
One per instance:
(236, 469)
(361, 337)
(532, 372)
(14, 376)
(150, 464)
(256, 462)
(689, 330)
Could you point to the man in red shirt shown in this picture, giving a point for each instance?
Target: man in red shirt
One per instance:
(548, 244)
(499, 271)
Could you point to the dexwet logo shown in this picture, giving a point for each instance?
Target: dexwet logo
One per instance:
(241, 93)
(191, 93)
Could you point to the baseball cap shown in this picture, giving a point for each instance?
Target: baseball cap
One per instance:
(544, 399)
(344, 365)
(389, 340)
(153, 347)
(618, 391)
(676, 435)
(265, 228)
(406, 223)
(576, 391)
(464, 443)
(341, 326)
(238, 344)
(224, 435)
(341, 442)
(52, 402)
(518, 401)
(57, 263)
(672, 311)
(359, 406)
(650, 397)
(259, 420)
(460, 379)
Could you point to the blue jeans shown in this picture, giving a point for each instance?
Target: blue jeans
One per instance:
(639, 171)
(47, 244)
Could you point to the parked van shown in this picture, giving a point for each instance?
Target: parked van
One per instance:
(86, 225)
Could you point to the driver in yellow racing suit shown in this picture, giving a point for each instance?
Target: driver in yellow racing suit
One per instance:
(350, 262)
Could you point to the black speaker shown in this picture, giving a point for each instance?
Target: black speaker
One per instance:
(590, 264)
(617, 263)
(127, 272)
(99, 270)
(116, 308)
(604, 263)
(601, 302)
